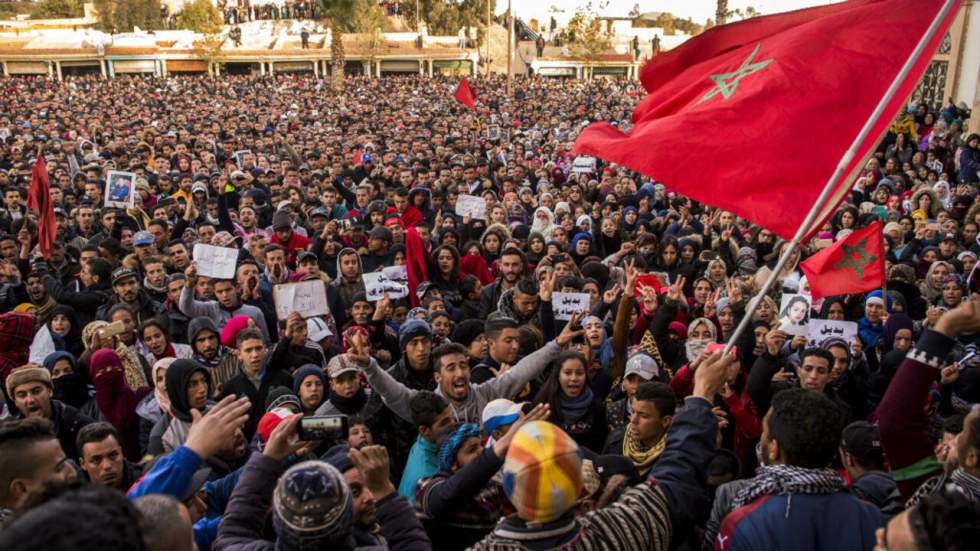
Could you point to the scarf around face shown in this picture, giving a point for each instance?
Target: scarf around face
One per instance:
(642, 456)
(349, 406)
(574, 409)
(775, 480)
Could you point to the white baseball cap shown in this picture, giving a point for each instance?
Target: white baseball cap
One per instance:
(499, 413)
(317, 329)
(643, 365)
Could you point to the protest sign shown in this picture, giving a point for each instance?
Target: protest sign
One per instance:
(398, 274)
(583, 165)
(567, 304)
(794, 315)
(376, 284)
(307, 298)
(119, 189)
(217, 262)
(823, 332)
(240, 157)
(472, 206)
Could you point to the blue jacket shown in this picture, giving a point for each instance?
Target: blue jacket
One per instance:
(423, 462)
(802, 522)
(171, 475)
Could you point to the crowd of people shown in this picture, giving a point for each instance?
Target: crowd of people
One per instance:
(149, 406)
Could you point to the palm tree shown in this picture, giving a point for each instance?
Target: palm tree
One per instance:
(721, 12)
(342, 15)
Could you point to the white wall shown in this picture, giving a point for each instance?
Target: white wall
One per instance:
(968, 87)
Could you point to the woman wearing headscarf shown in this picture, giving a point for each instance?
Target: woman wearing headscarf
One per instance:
(70, 386)
(581, 247)
(610, 238)
(493, 242)
(155, 405)
(535, 248)
(188, 386)
(93, 339)
(896, 340)
(543, 220)
(932, 285)
(116, 400)
(716, 273)
(462, 502)
(954, 289)
(64, 323)
(59, 332)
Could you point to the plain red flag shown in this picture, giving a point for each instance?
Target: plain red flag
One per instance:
(854, 264)
(465, 95)
(754, 117)
(39, 199)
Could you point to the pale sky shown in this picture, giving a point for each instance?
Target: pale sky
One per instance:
(699, 10)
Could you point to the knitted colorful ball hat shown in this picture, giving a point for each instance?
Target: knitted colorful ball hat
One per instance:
(542, 472)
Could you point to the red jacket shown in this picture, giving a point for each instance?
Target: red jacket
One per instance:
(904, 425)
(295, 244)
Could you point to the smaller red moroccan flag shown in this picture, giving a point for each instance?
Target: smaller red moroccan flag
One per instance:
(854, 264)
(39, 198)
(465, 95)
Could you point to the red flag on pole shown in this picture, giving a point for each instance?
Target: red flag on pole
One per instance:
(854, 264)
(465, 95)
(39, 199)
(754, 117)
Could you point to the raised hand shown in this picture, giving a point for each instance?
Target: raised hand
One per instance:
(190, 275)
(285, 440)
(381, 308)
(359, 348)
(774, 341)
(962, 320)
(710, 377)
(375, 469)
(631, 274)
(541, 412)
(710, 306)
(568, 333)
(610, 295)
(734, 290)
(216, 430)
(547, 286)
(650, 299)
(676, 291)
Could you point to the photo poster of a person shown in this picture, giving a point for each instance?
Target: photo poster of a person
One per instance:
(119, 189)
(794, 315)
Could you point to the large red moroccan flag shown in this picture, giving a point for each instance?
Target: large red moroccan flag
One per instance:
(465, 95)
(754, 117)
(854, 264)
(39, 198)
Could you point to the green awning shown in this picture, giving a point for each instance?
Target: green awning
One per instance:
(610, 70)
(452, 64)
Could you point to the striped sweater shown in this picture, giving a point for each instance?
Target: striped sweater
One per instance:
(643, 518)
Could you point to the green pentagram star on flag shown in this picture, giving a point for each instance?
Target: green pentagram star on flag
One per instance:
(863, 257)
(727, 83)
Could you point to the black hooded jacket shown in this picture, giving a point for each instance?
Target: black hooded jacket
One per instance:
(178, 377)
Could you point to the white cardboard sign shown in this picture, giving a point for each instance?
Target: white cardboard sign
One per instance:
(376, 284)
(820, 332)
(567, 304)
(218, 262)
(307, 298)
(472, 206)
